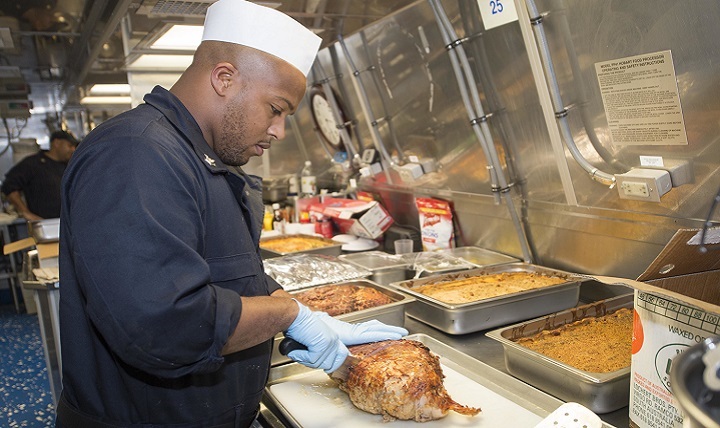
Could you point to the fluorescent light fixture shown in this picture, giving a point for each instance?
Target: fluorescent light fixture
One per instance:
(106, 100)
(161, 62)
(110, 88)
(180, 37)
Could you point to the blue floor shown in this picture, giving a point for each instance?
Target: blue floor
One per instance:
(25, 397)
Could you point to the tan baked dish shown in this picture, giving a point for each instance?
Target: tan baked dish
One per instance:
(291, 244)
(597, 345)
(342, 299)
(476, 288)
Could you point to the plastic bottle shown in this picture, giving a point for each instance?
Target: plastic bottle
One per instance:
(268, 219)
(292, 197)
(278, 220)
(308, 186)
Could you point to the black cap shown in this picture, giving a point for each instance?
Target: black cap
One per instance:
(64, 135)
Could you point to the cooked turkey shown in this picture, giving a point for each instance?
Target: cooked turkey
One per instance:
(399, 379)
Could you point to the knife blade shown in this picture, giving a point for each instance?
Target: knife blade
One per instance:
(288, 345)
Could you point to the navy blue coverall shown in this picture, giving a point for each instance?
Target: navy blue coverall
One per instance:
(158, 241)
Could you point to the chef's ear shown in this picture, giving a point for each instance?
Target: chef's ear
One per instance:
(222, 77)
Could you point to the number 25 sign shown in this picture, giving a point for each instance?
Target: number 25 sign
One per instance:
(497, 12)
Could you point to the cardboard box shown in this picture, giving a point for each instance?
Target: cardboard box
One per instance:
(366, 219)
(677, 304)
(47, 251)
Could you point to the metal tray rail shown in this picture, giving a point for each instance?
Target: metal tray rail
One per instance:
(392, 313)
(488, 313)
(600, 392)
(500, 383)
(332, 249)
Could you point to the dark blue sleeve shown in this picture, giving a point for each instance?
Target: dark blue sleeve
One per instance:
(135, 216)
(18, 177)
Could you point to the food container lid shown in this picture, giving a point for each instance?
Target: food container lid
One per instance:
(376, 260)
(434, 262)
(479, 256)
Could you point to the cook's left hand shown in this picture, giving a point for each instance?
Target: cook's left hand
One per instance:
(355, 334)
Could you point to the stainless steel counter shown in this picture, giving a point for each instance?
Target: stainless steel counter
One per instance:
(490, 352)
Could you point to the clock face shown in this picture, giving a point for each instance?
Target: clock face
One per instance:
(325, 119)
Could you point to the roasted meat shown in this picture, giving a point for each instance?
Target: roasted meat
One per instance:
(342, 299)
(399, 379)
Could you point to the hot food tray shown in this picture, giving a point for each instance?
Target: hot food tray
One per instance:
(487, 313)
(331, 247)
(600, 392)
(299, 271)
(392, 313)
(305, 397)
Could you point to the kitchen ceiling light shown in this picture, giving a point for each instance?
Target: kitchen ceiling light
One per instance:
(180, 37)
(160, 62)
(106, 100)
(110, 88)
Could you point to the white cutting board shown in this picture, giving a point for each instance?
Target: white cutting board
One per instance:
(315, 401)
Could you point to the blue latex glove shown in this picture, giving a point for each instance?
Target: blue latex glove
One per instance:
(325, 350)
(355, 334)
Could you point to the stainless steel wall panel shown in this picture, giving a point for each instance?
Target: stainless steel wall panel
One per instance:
(412, 82)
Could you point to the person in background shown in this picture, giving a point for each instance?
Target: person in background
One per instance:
(32, 186)
(166, 315)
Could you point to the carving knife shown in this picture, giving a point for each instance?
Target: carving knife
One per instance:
(287, 345)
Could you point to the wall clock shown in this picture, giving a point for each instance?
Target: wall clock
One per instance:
(324, 118)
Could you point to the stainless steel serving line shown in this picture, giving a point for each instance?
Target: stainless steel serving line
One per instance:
(489, 351)
(476, 345)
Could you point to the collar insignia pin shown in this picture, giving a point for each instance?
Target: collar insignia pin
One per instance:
(210, 161)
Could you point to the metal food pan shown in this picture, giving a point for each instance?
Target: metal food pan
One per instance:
(46, 230)
(600, 392)
(503, 395)
(488, 313)
(392, 313)
(386, 268)
(332, 249)
(479, 257)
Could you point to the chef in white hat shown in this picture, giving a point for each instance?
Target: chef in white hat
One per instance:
(166, 315)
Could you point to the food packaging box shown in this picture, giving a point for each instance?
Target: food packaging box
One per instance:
(600, 392)
(366, 219)
(330, 248)
(492, 312)
(392, 313)
(677, 304)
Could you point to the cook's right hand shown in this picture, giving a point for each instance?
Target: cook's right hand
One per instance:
(325, 350)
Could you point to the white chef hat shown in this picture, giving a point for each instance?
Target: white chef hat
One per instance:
(262, 28)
